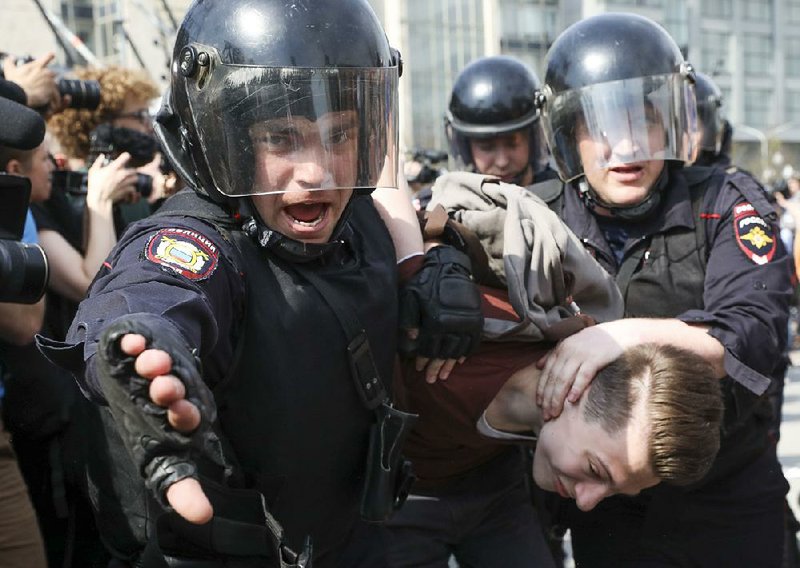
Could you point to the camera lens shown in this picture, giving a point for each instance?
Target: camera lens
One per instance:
(23, 272)
(84, 94)
(144, 184)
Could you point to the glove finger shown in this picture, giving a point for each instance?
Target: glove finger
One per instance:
(430, 345)
(409, 316)
(451, 347)
(406, 346)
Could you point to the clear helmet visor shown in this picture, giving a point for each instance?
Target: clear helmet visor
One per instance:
(616, 123)
(267, 130)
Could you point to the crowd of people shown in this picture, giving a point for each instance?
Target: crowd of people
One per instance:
(257, 348)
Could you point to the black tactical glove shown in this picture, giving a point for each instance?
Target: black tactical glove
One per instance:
(162, 454)
(444, 302)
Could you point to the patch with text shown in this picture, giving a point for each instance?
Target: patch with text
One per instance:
(184, 252)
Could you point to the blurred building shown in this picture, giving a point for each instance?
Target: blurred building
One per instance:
(750, 47)
(133, 33)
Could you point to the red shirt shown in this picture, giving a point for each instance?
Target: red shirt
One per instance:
(445, 443)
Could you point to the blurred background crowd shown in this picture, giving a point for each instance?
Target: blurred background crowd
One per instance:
(96, 70)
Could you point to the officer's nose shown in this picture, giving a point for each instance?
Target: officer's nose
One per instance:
(624, 149)
(501, 158)
(589, 494)
(311, 169)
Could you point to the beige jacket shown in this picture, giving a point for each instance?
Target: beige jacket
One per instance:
(544, 265)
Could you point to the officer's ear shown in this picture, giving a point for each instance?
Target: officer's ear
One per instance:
(16, 167)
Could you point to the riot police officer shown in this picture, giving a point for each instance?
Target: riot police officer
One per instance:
(492, 123)
(696, 256)
(714, 130)
(242, 339)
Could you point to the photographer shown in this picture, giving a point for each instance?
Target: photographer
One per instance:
(49, 420)
(120, 122)
(20, 540)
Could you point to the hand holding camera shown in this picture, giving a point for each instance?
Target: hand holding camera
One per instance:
(111, 182)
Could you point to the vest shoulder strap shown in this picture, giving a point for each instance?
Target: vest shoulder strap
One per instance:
(551, 191)
(189, 203)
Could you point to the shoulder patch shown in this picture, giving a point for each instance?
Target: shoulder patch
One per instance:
(754, 235)
(184, 252)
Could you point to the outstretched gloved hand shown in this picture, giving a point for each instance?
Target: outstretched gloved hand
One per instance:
(163, 410)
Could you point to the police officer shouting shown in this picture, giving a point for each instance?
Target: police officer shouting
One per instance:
(243, 338)
(492, 122)
(695, 254)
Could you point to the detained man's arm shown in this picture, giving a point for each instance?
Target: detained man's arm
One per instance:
(514, 408)
(20, 322)
(395, 208)
(569, 368)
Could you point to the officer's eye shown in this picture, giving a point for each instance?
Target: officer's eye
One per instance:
(277, 140)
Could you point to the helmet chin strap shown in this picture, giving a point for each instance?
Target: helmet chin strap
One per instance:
(290, 249)
(635, 212)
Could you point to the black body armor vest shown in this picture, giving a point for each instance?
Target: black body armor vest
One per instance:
(291, 413)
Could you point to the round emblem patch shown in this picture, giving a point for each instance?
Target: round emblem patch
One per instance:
(185, 252)
(754, 235)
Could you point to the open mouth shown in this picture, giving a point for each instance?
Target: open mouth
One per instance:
(307, 214)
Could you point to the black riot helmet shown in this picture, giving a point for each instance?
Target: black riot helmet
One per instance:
(619, 81)
(253, 74)
(709, 113)
(493, 96)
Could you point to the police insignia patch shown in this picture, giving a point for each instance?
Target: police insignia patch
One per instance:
(754, 235)
(185, 252)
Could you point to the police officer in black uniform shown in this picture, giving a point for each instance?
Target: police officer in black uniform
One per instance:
(492, 123)
(242, 340)
(715, 132)
(697, 258)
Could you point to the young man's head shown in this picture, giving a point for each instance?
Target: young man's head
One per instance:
(492, 122)
(284, 119)
(617, 103)
(653, 415)
(37, 165)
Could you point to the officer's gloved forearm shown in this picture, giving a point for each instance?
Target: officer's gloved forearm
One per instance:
(162, 454)
(444, 303)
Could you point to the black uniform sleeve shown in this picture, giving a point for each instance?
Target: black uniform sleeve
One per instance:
(747, 283)
(183, 275)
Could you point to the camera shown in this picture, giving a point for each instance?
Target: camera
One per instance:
(83, 94)
(23, 267)
(111, 142)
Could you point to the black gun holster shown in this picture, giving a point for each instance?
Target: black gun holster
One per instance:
(389, 475)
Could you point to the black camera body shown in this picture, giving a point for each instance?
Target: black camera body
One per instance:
(23, 267)
(111, 142)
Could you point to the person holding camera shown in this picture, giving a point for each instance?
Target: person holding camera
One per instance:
(120, 122)
(21, 315)
(39, 83)
(43, 409)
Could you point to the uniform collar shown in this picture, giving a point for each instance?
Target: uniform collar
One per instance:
(674, 211)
